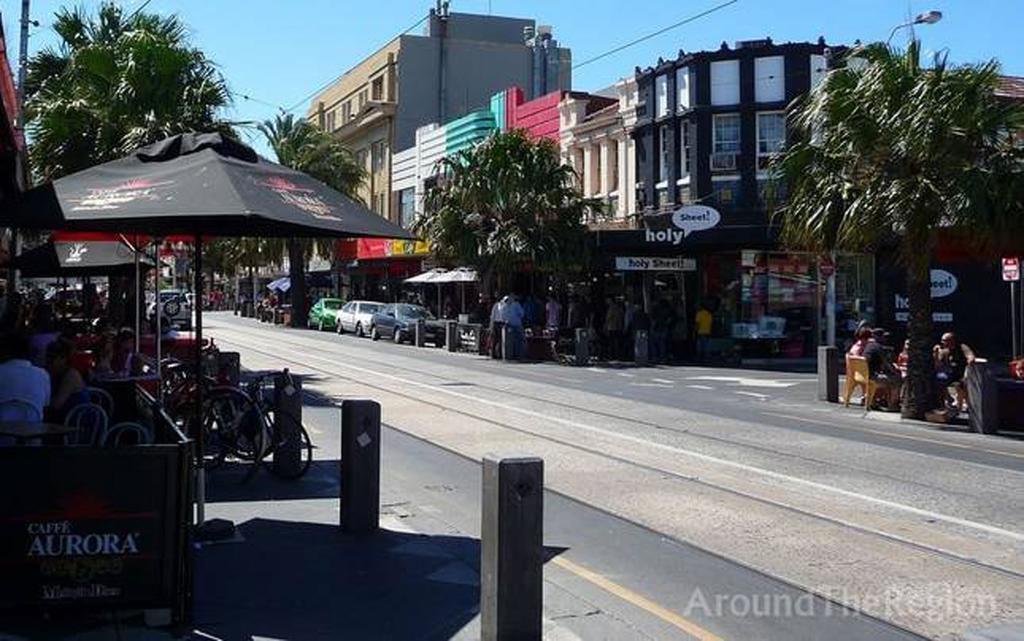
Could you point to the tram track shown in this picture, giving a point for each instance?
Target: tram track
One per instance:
(337, 370)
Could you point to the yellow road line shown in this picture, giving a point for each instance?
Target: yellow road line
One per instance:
(666, 615)
(893, 435)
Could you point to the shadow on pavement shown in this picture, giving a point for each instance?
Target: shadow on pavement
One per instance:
(291, 580)
(247, 482)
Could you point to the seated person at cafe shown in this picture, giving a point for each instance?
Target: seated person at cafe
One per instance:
(882, 370)
(903, 359)
(951, 360)
(67, 389)
(103, 355)
(43, 331)
(125, 360)
(24, 388)
(863, 337)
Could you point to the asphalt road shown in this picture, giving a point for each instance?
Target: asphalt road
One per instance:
(733, 481)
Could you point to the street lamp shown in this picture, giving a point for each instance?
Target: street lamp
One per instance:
(928, 17)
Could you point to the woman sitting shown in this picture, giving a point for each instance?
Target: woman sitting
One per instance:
(67, 387)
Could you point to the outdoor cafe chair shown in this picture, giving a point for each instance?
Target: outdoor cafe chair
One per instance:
(90, 421)
(115, 436)
(857, 375)
(102, 398)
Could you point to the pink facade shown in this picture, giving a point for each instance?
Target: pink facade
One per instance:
(538, 117)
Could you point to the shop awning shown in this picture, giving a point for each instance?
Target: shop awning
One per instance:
(432, 276)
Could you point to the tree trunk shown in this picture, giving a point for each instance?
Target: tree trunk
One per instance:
(297, 275)
(920, 368)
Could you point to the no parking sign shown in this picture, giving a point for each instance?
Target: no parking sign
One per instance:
(1011, 269)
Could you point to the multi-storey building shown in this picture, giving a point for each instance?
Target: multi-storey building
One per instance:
(707, 127)
(454, 68)
(596, 141)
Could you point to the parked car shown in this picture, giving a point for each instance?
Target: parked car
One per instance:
(397, 321)
(357, 316)
(175, 309)
(324, 313)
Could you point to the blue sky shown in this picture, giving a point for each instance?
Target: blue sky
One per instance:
(278, 52)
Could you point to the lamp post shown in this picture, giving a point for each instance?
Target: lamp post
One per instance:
(928, 17)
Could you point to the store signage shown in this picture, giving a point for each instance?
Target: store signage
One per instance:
(1011, 269)
(943, 283)
(654, 264)
(686, 220)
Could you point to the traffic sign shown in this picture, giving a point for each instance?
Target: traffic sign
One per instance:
(1011, 269)
(826, 267)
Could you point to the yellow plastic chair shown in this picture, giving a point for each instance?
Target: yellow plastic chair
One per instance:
(857, 376)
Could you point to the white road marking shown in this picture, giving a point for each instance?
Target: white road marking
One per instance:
(626, 374)
(928, 514)
(662, 380)
(747, 382)
(659, 385)
(704, 387)
(760, 397)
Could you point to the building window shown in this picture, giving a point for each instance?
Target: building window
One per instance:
(407, 207)
(613, 167)
(770, 79)
(818, 70)
(683, 88)
(662, 198)
(726, 192)
(378, 153)
(661, 96)
(771, 137)
(664, 152)
(329, 121)
(725, 82)
(377, 89)
(725, 142)
(346, 112)
(771, 190)
(362, 100)
(361, 155)
(685, 147)
(596, 186)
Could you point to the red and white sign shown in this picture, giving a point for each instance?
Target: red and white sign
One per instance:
(826, 267)
(1011, 269)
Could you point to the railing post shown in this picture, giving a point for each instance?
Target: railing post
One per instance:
(511, 548)
(360, 466)
(420, 333)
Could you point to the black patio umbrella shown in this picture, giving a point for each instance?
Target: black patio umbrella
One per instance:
(73, 259)
(196, 184)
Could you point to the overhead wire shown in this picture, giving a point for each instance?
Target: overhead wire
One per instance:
(654, 34)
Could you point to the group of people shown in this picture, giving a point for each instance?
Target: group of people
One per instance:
(950, 360)
(44, 374)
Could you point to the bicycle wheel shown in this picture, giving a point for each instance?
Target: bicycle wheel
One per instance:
(232, 426)
(286, 441)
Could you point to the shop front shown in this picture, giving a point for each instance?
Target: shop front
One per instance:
(376, 268)
(767, 305)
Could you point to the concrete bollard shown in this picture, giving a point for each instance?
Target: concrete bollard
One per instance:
(641, 355)
(511, 548)
(420, 333)
(983, 392)
(582, 347)
(828, 373)
(451, 336)
(360, 466)
(287, 422)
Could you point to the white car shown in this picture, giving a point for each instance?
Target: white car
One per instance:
(175, 309)
(357, 315)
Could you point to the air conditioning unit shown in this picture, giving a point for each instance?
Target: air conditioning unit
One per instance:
(723, 161)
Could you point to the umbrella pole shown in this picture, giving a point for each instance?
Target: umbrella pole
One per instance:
(138, 295)
(158, 313)
(198, 416)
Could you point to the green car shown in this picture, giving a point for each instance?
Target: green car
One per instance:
(324, 313)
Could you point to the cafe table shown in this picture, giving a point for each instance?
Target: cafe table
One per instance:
(24, 431)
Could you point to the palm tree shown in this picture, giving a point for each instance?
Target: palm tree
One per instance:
(116, 82)
(892, 152)
(305, 147)
(507, 200)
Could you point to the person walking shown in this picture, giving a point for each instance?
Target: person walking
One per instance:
(553, 314)
(513, 317)
(703, 322)
(497, 323)
(614, 320)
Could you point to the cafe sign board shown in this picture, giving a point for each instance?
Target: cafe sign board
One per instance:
(654, 264)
